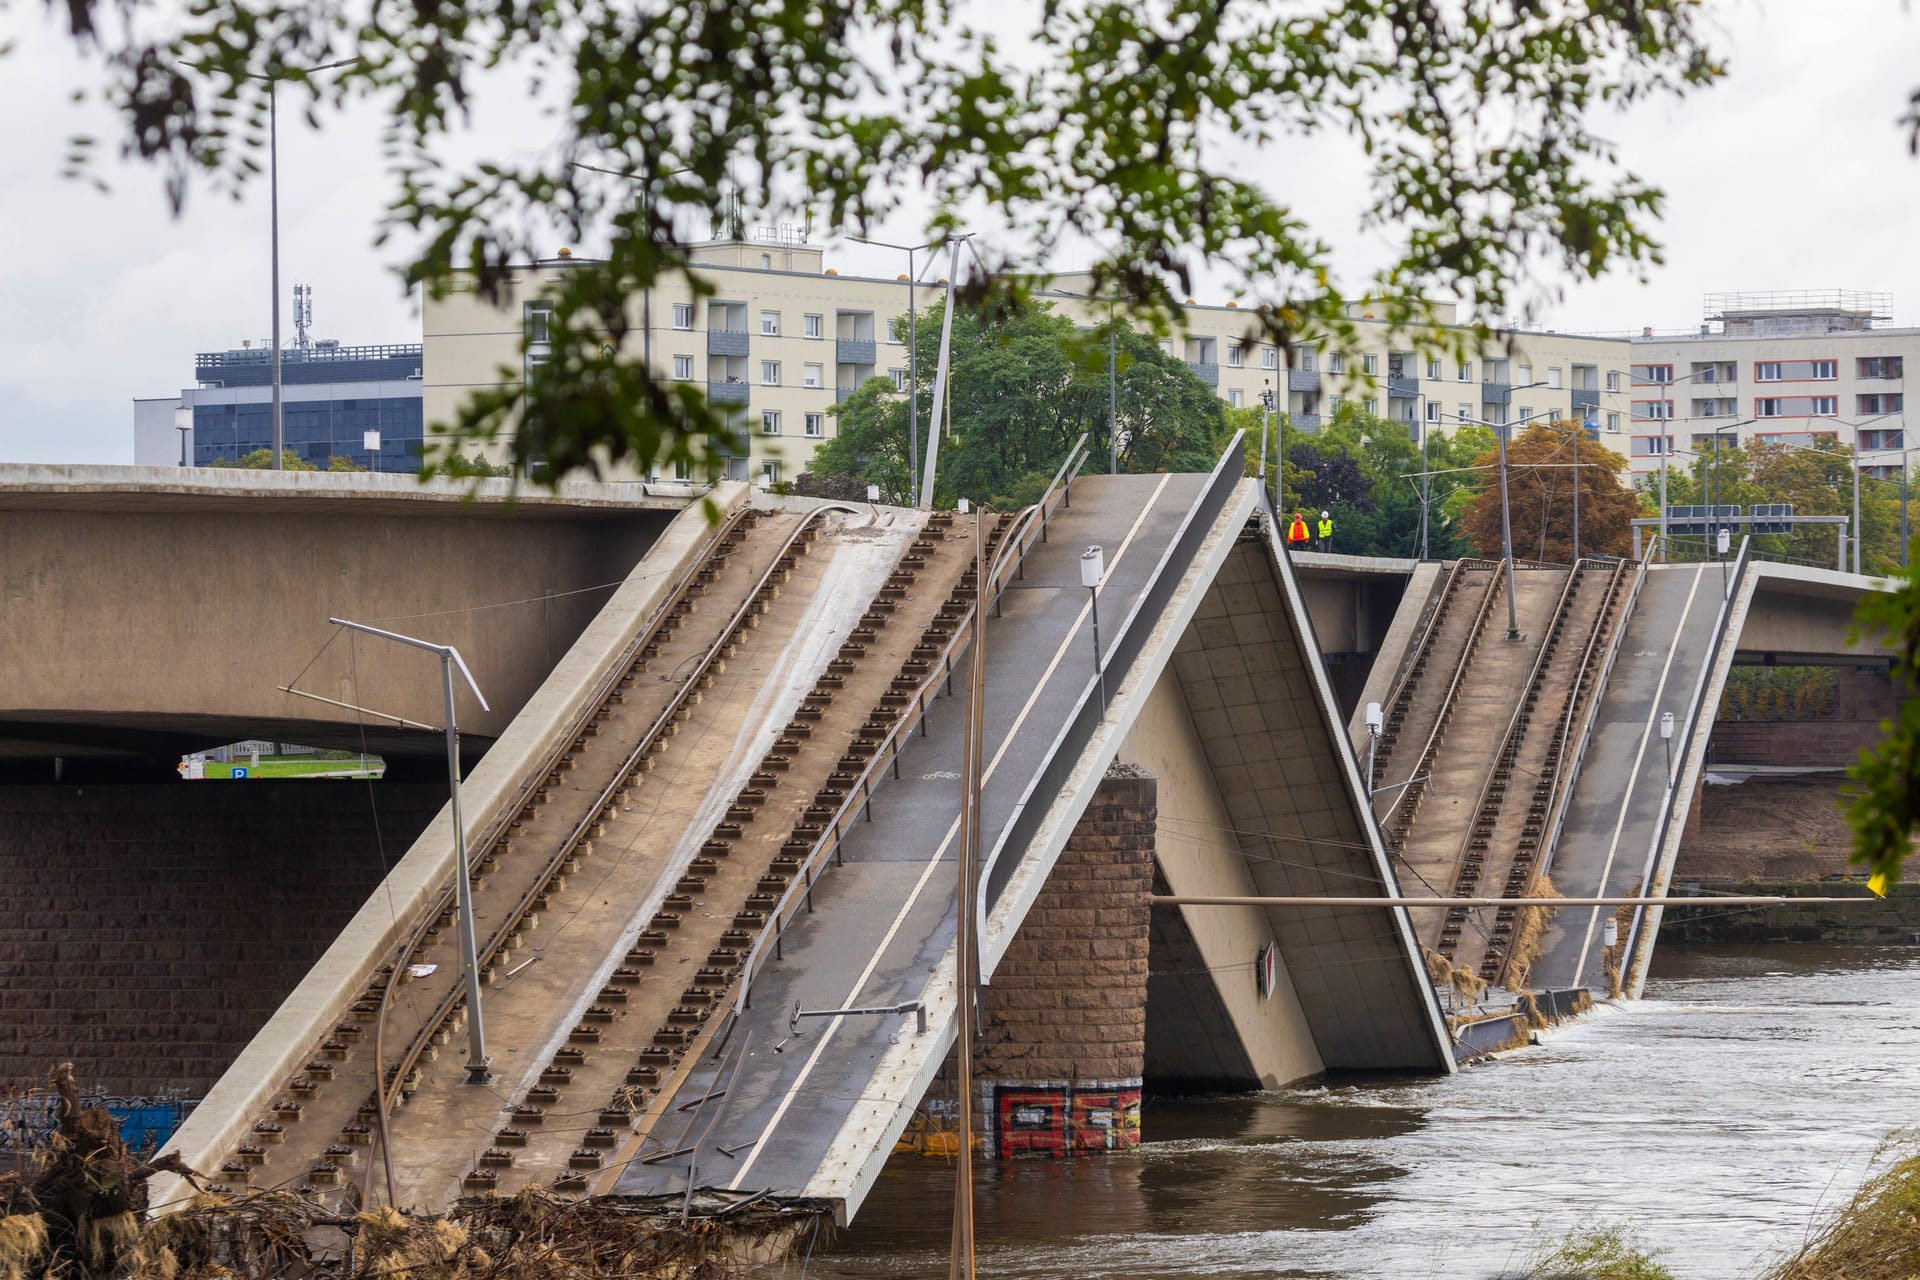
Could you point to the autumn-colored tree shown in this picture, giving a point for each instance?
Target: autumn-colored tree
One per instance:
(1542, 463)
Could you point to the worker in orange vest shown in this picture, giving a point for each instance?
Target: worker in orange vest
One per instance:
(1297, 532)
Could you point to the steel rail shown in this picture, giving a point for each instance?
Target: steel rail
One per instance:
(1009, 557)
(1405, 684)
(1445, 709)
(444, 1009)
(1507, 739)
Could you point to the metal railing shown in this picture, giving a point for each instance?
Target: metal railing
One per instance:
(1030, 527)
(1090, 707)
(1633, 961)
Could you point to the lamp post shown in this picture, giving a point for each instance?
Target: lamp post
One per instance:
(462, 883)
(913, 364)
(1506, 512)
(273, 203)
(183, 423)
(1376, 721)
(1666, 741)
(1093, 567)
(1279, 450)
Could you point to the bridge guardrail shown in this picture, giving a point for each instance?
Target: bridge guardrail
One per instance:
(1031, 527)
(1090, 708)
(1664, 822)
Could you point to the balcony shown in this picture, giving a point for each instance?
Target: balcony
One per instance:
(855, 351)
(1306, 422)
(1303, 379)
(1206, 371)
(1496, 393)
(1401, 386)
(729, 393)
(1585, 398)
(727, 342)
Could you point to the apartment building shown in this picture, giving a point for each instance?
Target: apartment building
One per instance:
(1791, 368)
(784, 338)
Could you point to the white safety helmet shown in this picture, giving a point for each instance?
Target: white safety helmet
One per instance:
(1326, 515)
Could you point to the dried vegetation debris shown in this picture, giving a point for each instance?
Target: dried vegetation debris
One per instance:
(78, 1211)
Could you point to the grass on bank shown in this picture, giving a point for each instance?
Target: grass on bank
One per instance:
(325, 763)
(1607, 1251)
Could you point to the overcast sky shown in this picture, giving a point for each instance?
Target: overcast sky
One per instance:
(1792, 174)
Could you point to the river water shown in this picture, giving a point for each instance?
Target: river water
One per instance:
(1748, 1089)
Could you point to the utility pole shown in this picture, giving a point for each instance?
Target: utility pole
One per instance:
(1113, 402)
(1506, 536)
(463, 880)
(273, 204)
(941, 374)
(966, 946)
(913, 361)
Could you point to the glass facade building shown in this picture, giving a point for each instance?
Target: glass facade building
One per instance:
(330, 395)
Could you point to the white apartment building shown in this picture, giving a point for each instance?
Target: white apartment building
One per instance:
(784, 338)
(1792, 368)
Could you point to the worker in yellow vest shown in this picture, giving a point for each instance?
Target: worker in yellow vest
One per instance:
(1297, 532)
(1325, 529)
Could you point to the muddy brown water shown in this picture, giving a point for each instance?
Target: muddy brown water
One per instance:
(1719, 1115)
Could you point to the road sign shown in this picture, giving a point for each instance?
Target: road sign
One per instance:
(240, 771)
(1760, 511)
(1699, 522)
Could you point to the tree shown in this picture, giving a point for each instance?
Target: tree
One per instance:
(1067, 126)
(1817, 481)
(262, 460)
(1025, 385)
(1542, 465)
(341, 462)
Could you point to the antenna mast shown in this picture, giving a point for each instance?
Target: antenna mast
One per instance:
(302, 316)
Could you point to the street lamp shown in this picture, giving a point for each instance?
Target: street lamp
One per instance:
(1279, 449)
(913, 364)
(463, 883)
(1093, 567)
(183, 423)
(273, 188)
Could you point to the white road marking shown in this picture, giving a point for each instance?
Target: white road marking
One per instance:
(1633, 776)
(833, 1025)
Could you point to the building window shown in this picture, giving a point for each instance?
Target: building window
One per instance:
(1766, 371)
(1166, 347)
(682, 470)
(766, 262)
(1652, 446)
(770, 324)
(1895, 403)
(1881, 367)
(1336, 362)
(1653, 410)
(1369, 364)
(769, 373)
(1306, 359)
(1463, 413)
(539, 322)
(899, 377)
(1236, 358)
(1433, 371)
(1466, 371)
(1553, 378)
(1824, 406)
(813, 326)
(1267, 357)
(683, 367)
(1372, 407)
(683, 315)
(810, 375)
(1526, 411)
(1824, 370)
(1766, 408)
(1433, 411)
(1613, 422)
(1524, 373)
(1613, 379)
(1656, 374)
(1235, 397)
(770, 469)
(815, 425)
(769, 422)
